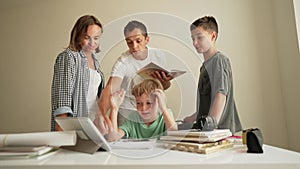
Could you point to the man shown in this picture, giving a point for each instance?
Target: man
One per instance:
(124, 72)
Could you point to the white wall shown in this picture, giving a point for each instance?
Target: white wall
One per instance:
(263, 53)
(288, 59)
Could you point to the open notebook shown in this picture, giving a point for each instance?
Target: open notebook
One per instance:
(90, 139)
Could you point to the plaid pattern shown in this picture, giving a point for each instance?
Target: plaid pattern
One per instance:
(70, 84)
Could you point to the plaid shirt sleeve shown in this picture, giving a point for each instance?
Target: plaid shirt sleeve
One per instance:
(62, 85)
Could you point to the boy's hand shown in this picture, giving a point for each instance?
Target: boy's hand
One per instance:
(101, 123)
(116, 99)
(161, 99)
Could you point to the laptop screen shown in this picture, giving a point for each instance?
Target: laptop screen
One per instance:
(84, 128)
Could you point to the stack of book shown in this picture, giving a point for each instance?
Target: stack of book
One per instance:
(37, 144)
(196, 141)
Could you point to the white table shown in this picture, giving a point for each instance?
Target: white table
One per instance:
(234, 158)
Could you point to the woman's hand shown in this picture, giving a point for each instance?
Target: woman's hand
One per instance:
(57, 127)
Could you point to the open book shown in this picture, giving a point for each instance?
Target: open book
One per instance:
(150, 68)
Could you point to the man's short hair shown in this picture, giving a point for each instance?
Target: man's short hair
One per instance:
(135, 24)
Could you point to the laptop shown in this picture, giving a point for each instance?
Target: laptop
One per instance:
(89, 138)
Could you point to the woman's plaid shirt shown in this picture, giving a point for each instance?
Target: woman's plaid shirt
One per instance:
(70, 84)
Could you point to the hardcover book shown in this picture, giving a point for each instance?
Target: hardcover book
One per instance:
(150, 68)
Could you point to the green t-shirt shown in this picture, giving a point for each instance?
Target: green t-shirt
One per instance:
(134, 127)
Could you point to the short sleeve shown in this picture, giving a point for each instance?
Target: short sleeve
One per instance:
(127, 128)
(119, 69)
(221, 76)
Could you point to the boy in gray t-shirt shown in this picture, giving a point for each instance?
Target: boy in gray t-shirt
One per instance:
(215, 86)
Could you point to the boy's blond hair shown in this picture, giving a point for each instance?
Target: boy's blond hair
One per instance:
(147, 86)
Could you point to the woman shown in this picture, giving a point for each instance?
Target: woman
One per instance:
(77, 80)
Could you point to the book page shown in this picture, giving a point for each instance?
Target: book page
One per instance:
(22, 148)
(17, 151)
(21, 153)
(199, 139)
(197, 133)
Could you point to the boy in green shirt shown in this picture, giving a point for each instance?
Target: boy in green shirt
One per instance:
(152, 118)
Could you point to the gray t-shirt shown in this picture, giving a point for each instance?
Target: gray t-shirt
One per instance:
(216, 77)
